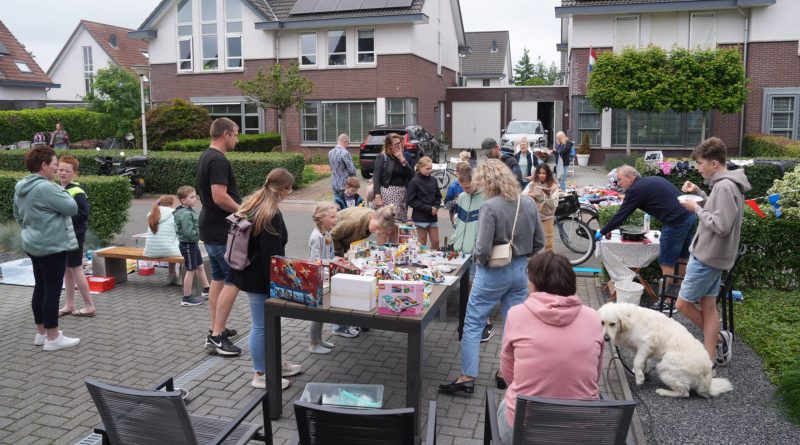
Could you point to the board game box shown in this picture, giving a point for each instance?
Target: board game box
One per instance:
(400, 297)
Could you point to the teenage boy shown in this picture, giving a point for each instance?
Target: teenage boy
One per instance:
(715, 245)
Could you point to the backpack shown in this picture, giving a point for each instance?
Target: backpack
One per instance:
(39, 138)
(238, 242)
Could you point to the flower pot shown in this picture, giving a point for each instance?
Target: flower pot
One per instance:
(583, 160)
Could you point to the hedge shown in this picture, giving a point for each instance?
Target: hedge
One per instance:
(769, 146)
(247, 143)
(109, 196)
(79, 123)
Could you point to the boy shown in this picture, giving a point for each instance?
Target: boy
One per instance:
(350, 198)
(715, 245)
(188, 230)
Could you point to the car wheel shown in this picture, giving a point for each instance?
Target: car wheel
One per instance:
(366, 174)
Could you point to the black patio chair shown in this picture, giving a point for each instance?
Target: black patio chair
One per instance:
(544, 421)
(327, 425)
(154, 417)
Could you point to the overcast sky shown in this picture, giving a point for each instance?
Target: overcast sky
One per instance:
(44, 26)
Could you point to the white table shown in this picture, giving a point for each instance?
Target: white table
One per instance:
(624, 259)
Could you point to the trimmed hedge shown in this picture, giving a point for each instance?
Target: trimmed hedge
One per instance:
(247, 143)
(769, 146)
(80, 124)
(110, 197)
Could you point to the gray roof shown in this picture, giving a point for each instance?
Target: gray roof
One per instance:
(282, 10)
(569, 7)
(481, 60)
(613, 2)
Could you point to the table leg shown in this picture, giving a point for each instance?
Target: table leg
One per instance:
(272, 345)
(463, 298)
(414, 375)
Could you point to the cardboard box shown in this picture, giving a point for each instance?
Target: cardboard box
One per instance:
(298, 281)
(400, 297)
(147, 271)
(343, 266)
(353, 292)
(100, 284)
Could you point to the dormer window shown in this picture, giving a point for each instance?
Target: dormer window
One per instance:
(494, 46)
(112, 40)
(23, 66)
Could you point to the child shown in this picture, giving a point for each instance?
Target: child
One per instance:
(455, 189)
(350, 197)
(424, 197)
(188, 229)
(162, 240)
(544, 191)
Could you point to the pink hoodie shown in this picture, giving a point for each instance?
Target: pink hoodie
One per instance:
(552, 347)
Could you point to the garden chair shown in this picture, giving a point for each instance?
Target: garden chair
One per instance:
(540, 420)
(327, 425)
(145, 417)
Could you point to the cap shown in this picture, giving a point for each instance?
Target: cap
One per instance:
(488, 144)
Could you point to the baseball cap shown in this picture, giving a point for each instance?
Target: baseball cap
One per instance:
(488, 143)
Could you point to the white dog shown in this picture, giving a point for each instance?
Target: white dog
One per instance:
(683, 362)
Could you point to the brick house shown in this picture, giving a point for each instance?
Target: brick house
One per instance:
(371, 61)
(765, 30)
(488, 61)
(23, 84)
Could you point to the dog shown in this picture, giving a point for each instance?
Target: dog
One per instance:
(683, 363)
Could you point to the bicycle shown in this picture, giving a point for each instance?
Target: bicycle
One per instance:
(117, 142)
(444, 176)
(574, 233)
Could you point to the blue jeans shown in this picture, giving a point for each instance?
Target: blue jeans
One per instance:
(675, 240)
(216, 259)
(257, 338)
(507, 285)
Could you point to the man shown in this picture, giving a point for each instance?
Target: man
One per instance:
(715, 246)
(341, 166)
(508, 158)
(659, 198)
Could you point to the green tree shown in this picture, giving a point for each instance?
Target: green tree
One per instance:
(278, 89)
(116, 93)
(174, 121)
(543, 74)
(523, 71)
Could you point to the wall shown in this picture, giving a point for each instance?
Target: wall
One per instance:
(69, 71)
(475, 82)
(772, 65)
(776, 22)
(21, 93)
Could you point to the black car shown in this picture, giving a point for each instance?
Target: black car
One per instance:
(416, 141)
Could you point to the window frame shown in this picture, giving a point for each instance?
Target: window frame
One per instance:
(233, 35)
(486, 82)
(622, 18)
(88, 69)
(692, 27)
(320, 121)
(186, 38)
(241, 116)
(301, 54)
(685, 140)
(768, 112)
(203, 35)
(595, 134)
(23, 66)
(409, 111)
(328, 52)
(359, 52)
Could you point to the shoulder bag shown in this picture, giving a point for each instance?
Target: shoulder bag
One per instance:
(502, 253)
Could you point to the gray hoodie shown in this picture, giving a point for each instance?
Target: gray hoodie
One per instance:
(717, 239)
(44, 211)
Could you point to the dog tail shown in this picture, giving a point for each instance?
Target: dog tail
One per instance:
(719, 386)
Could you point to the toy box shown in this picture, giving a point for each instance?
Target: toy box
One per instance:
(149, 270)
(100, 284)
(343, 266)
(297, 281)
(358, 249)
(400, 297)
(353, 292)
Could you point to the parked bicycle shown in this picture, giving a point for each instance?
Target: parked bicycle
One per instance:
(574, 233)
(444, 176)
(117, 143)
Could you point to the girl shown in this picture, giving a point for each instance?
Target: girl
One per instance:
(320, 247)
(188, 230)
(357, 223)
(544, 191)
(162, 239)
(424, 197)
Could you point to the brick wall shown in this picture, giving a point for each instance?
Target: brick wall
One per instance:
(771, 65)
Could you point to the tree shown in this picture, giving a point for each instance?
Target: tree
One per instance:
(279, 89)
(116, 93)
(543, 74)
(523, 71)
(171, 122)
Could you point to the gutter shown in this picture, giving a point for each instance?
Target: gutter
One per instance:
(746, 43)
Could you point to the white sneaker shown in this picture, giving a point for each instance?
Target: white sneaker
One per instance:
(318, 349)
(260, 381)
(61, 342)
(347, 332)
(327, 344)
(40, 338)
(289, 369)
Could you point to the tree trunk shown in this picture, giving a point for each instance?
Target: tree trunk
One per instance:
(282, 130)
(628, 140)
(703, 127)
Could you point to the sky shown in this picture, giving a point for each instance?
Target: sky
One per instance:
(44, 26)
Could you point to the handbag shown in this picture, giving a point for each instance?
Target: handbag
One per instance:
(502, 253)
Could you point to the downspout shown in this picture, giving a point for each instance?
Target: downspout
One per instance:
(277, 48)
(746, 42)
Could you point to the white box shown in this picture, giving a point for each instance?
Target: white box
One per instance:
(354, 292)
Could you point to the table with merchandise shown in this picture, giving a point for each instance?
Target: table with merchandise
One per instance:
(624, 259)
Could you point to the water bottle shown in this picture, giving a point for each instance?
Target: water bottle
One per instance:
(646, 222)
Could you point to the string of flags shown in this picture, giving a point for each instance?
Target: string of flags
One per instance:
(773, 200)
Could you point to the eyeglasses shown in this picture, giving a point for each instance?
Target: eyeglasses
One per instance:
(397, 144)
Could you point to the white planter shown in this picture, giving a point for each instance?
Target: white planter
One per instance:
(583, 160)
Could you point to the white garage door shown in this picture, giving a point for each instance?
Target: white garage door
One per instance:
(474, 121)
(524, 110)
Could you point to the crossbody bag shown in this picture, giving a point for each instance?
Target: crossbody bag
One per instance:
(502, 253)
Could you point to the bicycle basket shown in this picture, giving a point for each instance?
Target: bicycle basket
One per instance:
(567, 205)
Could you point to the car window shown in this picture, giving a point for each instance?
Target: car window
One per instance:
(524, 127)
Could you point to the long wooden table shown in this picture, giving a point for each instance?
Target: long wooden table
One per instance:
(414, 326)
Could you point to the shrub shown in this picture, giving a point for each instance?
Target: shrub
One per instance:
(789, 389)
(80, 124)
(790, 197)
(584, 148)
(247, 143)
(178, 120)
(613, 162)
(769, 146)
(12, 160)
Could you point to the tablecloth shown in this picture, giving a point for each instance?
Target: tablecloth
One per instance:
(619, 257)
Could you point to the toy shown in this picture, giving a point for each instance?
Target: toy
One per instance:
(400, 297)
(359, 249)
(343, 266)
(298, 281)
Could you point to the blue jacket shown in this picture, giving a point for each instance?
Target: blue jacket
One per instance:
(342, 202)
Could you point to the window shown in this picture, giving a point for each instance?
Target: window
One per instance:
(337, 47)
(588, 120)
(208, 27)
(24, 66)
(626, 32)
(244, 114)
(327, 120)
(233, 34)
(659, 129)
(494, 46)
(185, 35)
(401, 111)
(702, 30)
(308, 48)
(88, 69)
(664, 29)
(487, 82)
(366, 46)
(781, 108)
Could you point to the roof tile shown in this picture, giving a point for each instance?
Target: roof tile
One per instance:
(128, 52)
(17, 53)
(482, 60)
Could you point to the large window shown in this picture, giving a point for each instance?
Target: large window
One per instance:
(702, 30)
(401, 111)
(308, 49)
(588, 121)
(660, 129)
(233, 34)
(781, 108)
(337, 47)
(88, 69)
(244, 114)
(366, 46)
(208, 26)
(323, 122)
(185, 35)
(626, 32)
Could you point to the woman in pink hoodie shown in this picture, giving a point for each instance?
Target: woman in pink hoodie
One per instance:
(553, 344)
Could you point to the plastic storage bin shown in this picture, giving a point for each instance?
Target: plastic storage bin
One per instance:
(100, 284)
(344, 394)
(628, 292)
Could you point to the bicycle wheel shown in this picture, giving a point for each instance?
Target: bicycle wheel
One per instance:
(442, 177)
(576, 239)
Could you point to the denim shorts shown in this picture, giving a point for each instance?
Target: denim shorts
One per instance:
(675, 240)
(216, 259)
(700, 281)
(191, 255)
(427, 225)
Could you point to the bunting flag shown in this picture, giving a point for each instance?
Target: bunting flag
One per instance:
(753, 205)
(773, 199)
(592, 58)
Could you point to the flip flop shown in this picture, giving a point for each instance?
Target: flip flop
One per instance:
(82, 313)
(62, 313)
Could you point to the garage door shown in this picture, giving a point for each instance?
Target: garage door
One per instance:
(474, 121)
(524, 110)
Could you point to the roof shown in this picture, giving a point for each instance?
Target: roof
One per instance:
(10, 74)
(283, 8)
(126, 53)
(481, 60)
(580, 7)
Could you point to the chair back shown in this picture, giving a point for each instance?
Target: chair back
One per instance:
(142, 417)
(540, 420)
(326, 425)
(727, 283)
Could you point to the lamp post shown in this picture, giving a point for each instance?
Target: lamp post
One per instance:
(142, 71)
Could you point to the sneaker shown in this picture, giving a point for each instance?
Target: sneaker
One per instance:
(61, 342)
(348, 332)
(230, 333)
(260, 381)
(222, 346)
(724, 348)
(190, 301)
(327, 344)
(663, 308)
(204, 293)
(318, 349)
(488, 332)
(39, 339)
(289, 369)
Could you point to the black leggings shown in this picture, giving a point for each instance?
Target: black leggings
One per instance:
(48, 273)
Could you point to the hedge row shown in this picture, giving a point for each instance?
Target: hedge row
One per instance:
(769, 146)
(110, 197)
(247, 143)
(80, 124)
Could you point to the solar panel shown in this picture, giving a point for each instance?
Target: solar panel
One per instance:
(3, 50)
(399, 3)
(373, 4)
(319, 6)
(307, 6)
(349, 5)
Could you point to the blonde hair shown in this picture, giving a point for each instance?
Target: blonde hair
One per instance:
(262, 205)
(155, 212)
(423, 162)
(495, 178)
(463, 172)
(464, 156)
(320, 211)
(561, 136)
(385, 216)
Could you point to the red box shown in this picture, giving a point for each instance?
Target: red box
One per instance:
(343, 266)
(296, 280)
(100, 284)
(147, 271)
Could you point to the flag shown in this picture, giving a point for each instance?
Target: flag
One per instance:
(592, 58)
(754, 205)
(773, 199)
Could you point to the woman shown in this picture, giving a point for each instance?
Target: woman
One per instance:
(357, 223)
(544, 192)
(552, 315)
(268, 237)
(162, 238)
(44, 211)
(59, 138)
(393, 172)
(526, 160)
(492, 285)
(563, 158)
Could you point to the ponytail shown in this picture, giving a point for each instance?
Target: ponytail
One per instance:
(155, 211)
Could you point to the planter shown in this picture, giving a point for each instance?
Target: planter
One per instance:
(583, 160)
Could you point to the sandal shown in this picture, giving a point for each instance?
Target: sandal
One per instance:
(63, 312)
(82, 313)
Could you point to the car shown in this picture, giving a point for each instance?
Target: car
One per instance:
(416, 141)
(517, 129)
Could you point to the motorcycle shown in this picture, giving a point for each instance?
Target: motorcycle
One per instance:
(130, 168)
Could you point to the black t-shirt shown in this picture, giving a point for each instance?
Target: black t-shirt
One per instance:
(214, 168)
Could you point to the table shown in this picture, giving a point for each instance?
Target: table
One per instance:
(414, 326)
(624, 259)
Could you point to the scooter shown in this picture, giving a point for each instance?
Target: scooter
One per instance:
(130, 168)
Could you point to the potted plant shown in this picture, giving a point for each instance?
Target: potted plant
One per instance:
(584, 150)
(444, 141)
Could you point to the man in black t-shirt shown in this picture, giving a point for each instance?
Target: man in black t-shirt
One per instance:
(217, 189)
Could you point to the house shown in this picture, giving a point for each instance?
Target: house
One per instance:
(766, 32)
(91, 47)
(488, 61)
(371, 61)
(23, 84)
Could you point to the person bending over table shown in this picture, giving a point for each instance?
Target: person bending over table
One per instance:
(659, 198)
(357, 223)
